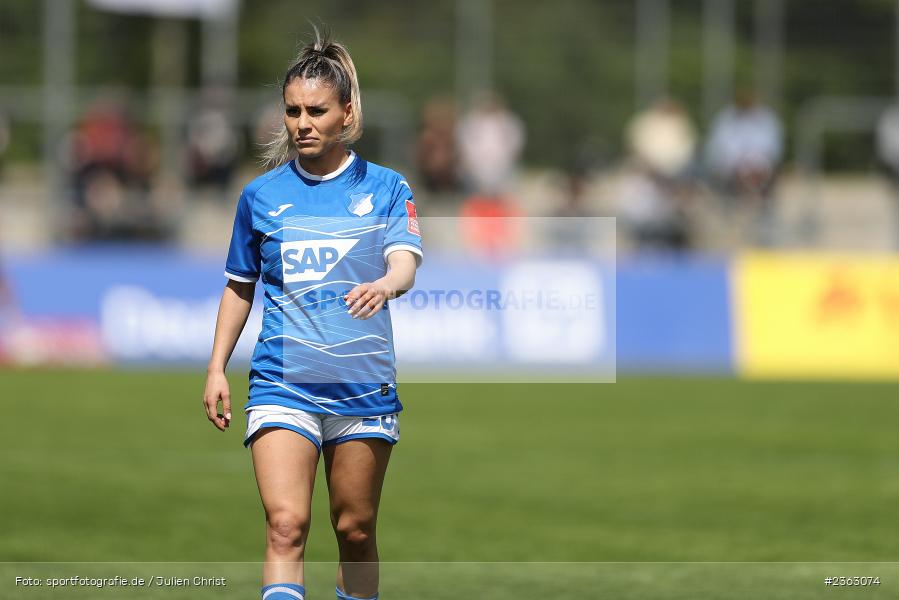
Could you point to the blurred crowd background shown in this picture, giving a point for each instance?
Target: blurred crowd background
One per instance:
(708, 125)
(715, 132)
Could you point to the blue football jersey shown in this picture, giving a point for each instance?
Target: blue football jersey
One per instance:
(311, 239)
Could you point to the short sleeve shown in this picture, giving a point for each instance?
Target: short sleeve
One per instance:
(243, 262)
(403, 230)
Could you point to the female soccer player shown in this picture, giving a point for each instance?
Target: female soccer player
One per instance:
(333, 238)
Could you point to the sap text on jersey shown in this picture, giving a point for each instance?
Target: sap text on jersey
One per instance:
(312, 260)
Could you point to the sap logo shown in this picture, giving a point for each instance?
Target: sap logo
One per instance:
(311, 260)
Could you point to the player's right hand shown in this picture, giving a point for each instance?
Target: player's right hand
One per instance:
(217, 389)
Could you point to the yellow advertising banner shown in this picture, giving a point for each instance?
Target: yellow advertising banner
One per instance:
(816, 316)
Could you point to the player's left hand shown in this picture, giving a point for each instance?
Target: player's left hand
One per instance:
(366, 299)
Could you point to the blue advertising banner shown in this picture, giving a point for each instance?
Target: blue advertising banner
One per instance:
(674, 314)
(579, 319)
(488, 319)
(551, 316)
(143, 304)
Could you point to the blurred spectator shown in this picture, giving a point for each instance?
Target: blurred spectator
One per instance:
(571, 227)
(888, 140)
(654, 193)
(435, 151)
(490, 140)
(743, 155)
(212, 143)
(112, 165)
(652, 211)
(745, 146)
(888, 152)
(574, 202)
(662, 139)
(105, 139)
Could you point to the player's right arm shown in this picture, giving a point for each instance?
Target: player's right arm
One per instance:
(237, 300)
(242, 268)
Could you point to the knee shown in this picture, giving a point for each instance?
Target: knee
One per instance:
(355, 530)
(287, 531)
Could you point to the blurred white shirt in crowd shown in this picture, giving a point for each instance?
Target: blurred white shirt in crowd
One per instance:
(744, 138)
(490, 140)
(662, 138)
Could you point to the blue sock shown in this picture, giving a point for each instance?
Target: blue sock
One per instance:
(283, 591)
(342, 596)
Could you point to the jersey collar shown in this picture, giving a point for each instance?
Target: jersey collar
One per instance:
(306, 175)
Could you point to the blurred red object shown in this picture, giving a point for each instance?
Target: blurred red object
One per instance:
(491, 225)
(43, 342)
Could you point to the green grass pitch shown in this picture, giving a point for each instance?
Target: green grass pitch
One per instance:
(638, 489)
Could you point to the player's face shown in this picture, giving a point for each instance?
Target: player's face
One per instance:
(314, 116)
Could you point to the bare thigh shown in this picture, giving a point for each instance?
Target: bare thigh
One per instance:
(355, 473)
(285, 465)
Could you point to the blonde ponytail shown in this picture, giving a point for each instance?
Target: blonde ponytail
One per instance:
(329, 61)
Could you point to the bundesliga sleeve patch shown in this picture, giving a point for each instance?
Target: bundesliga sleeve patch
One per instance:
(412, 227)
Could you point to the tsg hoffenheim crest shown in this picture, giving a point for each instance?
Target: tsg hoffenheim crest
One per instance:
(361, 204)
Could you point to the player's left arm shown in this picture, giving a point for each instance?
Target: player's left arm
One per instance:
(367, 299)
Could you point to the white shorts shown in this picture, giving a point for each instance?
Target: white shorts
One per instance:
(319, 428)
